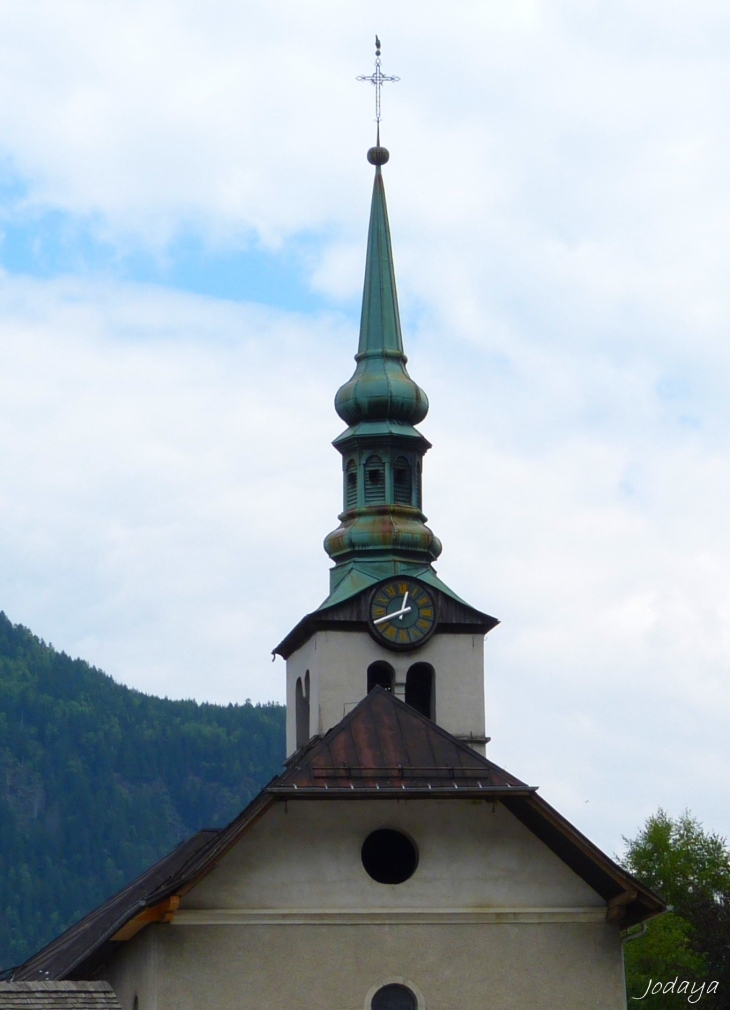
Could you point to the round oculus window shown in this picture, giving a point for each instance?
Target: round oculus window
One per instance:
(389, 856)
(394, 997)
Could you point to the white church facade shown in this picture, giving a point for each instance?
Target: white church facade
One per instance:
(391, 865)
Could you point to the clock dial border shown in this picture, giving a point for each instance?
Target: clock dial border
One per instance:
(379, 637)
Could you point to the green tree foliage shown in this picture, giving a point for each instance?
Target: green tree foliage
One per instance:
(690, 868)
(98, 781)
(665, 952)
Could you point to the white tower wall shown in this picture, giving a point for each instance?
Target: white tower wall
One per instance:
(337, 663)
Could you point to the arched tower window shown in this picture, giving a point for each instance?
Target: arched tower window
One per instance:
(418, 485)
(302, 710)
(402, 481)
(420, 689)
(374, 481)
(351, 485)
(394, 997)
(380, 674)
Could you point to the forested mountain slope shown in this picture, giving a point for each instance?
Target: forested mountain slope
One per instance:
(97, 781)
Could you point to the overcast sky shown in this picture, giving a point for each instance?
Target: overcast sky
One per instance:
(184, 204)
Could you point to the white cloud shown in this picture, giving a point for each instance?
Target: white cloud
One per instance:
(560, 206)
(154, 449)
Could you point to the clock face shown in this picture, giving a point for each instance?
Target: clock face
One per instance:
(402, 614)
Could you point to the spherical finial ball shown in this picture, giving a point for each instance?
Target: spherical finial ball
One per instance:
(378, 155)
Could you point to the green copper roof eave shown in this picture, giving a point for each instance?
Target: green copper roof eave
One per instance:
(358, 577)
(378, 429)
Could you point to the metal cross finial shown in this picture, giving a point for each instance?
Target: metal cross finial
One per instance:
(378, 79)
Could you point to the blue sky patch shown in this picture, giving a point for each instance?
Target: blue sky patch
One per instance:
(53, 243)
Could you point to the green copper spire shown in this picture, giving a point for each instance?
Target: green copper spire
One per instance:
(382, 529)
(381, 388)
(380, 322)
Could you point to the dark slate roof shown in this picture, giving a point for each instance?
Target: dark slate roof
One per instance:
(383, 749)
(454, 617)
(58, 996)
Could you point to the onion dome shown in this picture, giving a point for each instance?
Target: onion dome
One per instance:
(387, 530)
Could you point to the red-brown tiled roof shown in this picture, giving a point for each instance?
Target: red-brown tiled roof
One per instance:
(385, 745)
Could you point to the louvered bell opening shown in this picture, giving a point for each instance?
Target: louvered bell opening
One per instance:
(402, 481)
(380, 674)
(374, 481)
(420, 688)
(351, 485)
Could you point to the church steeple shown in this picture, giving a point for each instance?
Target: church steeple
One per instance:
(388, 620)
(382, 529)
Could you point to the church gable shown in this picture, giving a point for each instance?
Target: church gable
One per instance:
(488, 847)
(383, 751)
(305, 858)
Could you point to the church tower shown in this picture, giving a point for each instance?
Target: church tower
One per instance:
(388, 620)
(390, 866)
